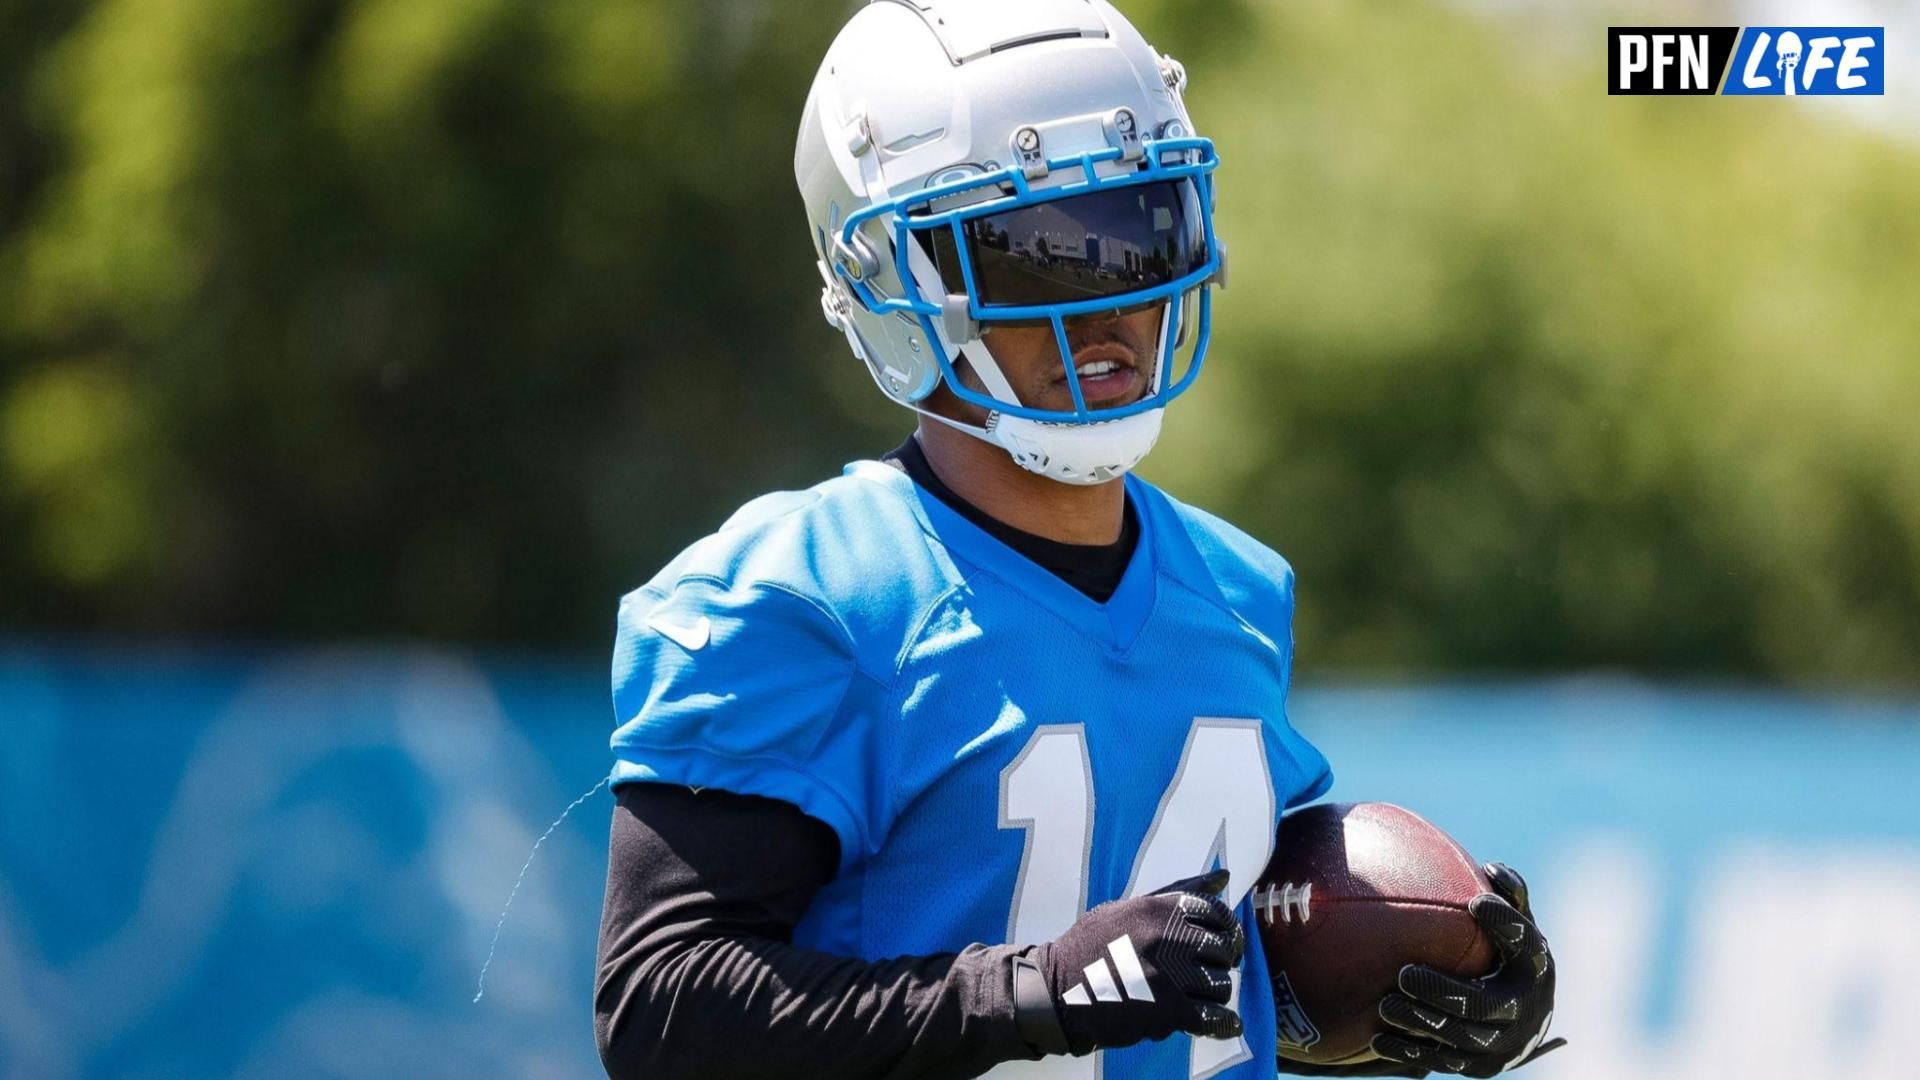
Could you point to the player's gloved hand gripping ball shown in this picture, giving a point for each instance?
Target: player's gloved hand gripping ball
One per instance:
(1469, 1027)
(1132, 970)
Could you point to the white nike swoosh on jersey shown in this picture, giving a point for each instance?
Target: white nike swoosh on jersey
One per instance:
(690, 636)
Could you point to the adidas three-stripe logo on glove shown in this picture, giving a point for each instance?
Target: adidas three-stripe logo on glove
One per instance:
(1132, 970)
(1133, 976)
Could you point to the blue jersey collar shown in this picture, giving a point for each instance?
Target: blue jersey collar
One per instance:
(1116, 624)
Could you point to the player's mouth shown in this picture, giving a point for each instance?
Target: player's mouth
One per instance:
(1107, 374)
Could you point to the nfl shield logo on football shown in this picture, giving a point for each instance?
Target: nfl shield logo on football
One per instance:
(1296, 1029)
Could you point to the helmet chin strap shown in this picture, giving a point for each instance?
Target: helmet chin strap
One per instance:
(1078, 453)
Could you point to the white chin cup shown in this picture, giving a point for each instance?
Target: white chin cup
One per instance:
(1078, 453)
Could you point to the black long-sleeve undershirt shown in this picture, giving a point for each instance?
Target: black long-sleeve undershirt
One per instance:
(698, 976)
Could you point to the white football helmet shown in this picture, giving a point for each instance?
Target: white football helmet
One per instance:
(967, 162)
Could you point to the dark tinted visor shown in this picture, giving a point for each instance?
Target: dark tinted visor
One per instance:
(1103, 243)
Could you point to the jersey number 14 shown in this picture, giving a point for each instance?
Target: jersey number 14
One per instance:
(1218, 811)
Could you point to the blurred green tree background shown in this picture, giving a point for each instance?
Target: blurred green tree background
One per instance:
(456, 318)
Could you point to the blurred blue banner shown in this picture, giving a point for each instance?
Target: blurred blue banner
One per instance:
(292, 865)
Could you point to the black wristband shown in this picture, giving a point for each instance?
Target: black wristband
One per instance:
(1033, 1012)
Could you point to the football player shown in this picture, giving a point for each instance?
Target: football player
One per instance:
(967, 759)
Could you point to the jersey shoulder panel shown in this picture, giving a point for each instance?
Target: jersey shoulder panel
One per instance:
(851, 547)
(759, 660)
(1219, 560)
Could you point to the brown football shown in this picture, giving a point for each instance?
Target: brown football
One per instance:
(1355, 891)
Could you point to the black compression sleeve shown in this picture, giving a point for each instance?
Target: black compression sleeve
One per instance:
(698, 976)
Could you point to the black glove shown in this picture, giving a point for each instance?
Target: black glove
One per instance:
(1132, 970)
(1478, 1027)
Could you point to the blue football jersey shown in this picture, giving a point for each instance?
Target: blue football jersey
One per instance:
(996, 751)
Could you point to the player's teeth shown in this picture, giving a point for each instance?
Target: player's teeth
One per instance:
(1096, 369)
